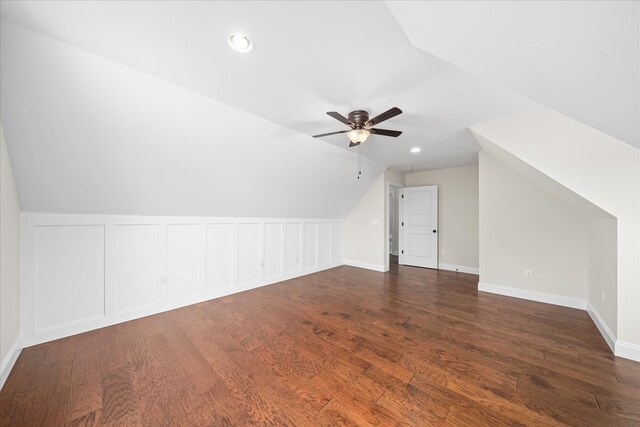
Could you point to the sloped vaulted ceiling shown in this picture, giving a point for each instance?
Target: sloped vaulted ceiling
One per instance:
(89, 135)
(142, 108)
(581, 58)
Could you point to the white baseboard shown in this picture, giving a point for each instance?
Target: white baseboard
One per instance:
(533, 295)
(368, 266)
(619, 348)
(627, 350)
(606, 333)
(10, 360)
(459, 268)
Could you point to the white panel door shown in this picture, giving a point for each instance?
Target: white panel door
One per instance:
(219, 256)
(70, 274)
(137, 254)
(182, 260)
(272, 250)
(310, 245)
(292, 248)
(419, 224)
(324, 243)
(248, 253)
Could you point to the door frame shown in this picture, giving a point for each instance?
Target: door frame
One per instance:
(398, 186)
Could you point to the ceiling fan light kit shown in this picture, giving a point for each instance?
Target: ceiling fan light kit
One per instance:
(358, 135)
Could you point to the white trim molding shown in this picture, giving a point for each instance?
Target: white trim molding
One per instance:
(458, 268)
(366, 265)
(627, 350)
(618, 348)
(10, 360)
(533, 295)
(606, 333)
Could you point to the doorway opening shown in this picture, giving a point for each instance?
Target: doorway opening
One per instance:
(393, 225)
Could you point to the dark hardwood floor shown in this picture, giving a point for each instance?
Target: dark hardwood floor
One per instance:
(341, 347)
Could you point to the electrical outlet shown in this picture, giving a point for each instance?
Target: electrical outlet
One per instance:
(443, 252)
(528, 274)
(163, 280)
(602, 296)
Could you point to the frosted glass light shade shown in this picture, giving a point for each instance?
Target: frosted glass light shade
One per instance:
(358, 135)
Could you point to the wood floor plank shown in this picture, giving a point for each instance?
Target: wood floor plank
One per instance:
(85, 392)
(345, 346)
(120, 403)
(92, 419)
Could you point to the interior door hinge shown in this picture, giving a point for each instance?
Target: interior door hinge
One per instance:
(403, 223)
(403, 251)
(403, 196)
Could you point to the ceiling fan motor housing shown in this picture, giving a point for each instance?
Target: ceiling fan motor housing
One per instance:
(358, 118)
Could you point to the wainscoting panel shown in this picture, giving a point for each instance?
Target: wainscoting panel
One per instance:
(272, 250)
(73, 256)
(324, 244)
(137, 263)
(220, 256)
(292, 249)
(336, 241)
(310, 245)
(183, 259)
(83, 272)
(248, 253)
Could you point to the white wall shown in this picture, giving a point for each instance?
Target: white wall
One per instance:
(9, 265)
(365, 237)
(457, 214)
(603, 292)
(84, 272)
(522, 226)
(579, 163)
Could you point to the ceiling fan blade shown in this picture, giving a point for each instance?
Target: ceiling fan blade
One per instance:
(330, 133)
(385, 132)
(392, 112)
(340, 117)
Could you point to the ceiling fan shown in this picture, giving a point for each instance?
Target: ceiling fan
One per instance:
(361, 126)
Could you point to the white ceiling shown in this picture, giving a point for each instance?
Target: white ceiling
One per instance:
(581, 58)
(310, 58)
(243, 120)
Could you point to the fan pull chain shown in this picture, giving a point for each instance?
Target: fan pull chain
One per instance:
(359, 162)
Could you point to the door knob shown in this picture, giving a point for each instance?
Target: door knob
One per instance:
(434, 231)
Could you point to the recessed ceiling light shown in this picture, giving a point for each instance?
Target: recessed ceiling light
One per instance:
(409, 168)
(416, 149)
(240, 43)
